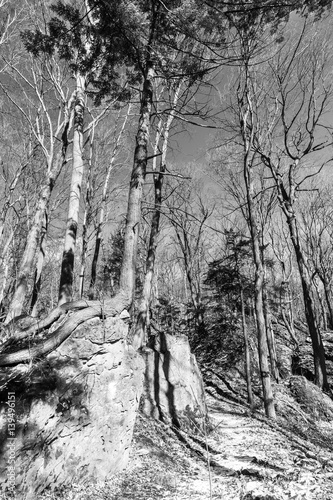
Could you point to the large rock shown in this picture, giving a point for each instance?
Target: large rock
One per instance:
(75, 410)
(173, 387)
(311, 398)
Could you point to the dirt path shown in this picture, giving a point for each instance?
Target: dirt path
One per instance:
(250, 458)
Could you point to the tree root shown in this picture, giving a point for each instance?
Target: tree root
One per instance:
(55, 314)
(84, 310)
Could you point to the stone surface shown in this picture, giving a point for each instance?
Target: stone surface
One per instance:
(173, 387)
(311, 398)
(75, 410)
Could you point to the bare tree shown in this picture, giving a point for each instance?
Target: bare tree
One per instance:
(119, 130)
(317, 221)
(286, 138)
(67, 265)
(44, 78)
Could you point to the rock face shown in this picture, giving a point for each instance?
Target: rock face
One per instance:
(173, 387)
(75, 410)
(311, 399)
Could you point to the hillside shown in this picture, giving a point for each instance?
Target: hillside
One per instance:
(250, 458)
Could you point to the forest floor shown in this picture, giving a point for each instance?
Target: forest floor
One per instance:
(249, 458)
(244, 456)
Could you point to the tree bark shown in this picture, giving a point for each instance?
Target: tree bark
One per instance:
(60, 162)
(140, 335)
(26, 264)
(247, 131)
(270, 340)
(128, 268)
(247, 354)
(328, 298)
(67, 265)
(39, 267)
(321, 318)
(86, 216)
(261, 326)
(316, 339)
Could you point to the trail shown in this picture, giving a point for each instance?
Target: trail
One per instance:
(242, 456)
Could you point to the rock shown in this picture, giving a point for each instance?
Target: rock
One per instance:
(255, 490)
(311, 398)
(173, 387)
(75, 410)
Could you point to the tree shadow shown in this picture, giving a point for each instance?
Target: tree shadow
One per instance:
(170, 390)
(162, 402)
(223, 394)
(243, 407)
(225, 382)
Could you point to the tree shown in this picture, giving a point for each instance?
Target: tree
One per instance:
(144, 30)
(317, 223)
(119, 132)
(177, 91)
(230, 277)
(47, 133)
(280, 245)
(286, 135)
(248, 27)
(188, 219)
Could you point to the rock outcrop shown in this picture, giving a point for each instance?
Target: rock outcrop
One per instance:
(75, 410)
(173, 387)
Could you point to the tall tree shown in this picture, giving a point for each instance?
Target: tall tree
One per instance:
(248, 41)
(232, 275)
(286, 136)
(41, 85)
(317, 221)
(119, 132)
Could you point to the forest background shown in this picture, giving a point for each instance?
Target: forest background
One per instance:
(172, 159)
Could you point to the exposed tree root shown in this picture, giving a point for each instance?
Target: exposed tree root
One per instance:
(84, 310)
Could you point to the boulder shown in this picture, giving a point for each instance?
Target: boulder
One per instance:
(75, 410)
(311, 398)
(173, 387)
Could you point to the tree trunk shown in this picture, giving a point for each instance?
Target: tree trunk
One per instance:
(247, 131)
(53, 173)
(39, 268)
(328, 298)
(140, 334)
(270, 340)
(143, 313)
(128, 268)
(286, 302)
(100, 224)
(98, 242)
(247, 354)
(317, 343)
(84, 252)
(322, 319)
(67, 266)
(258, 298)
(86, 217)
(26, 264)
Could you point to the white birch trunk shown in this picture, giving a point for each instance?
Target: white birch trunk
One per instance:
(128, 268)
(67, 267)
(26, 264)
